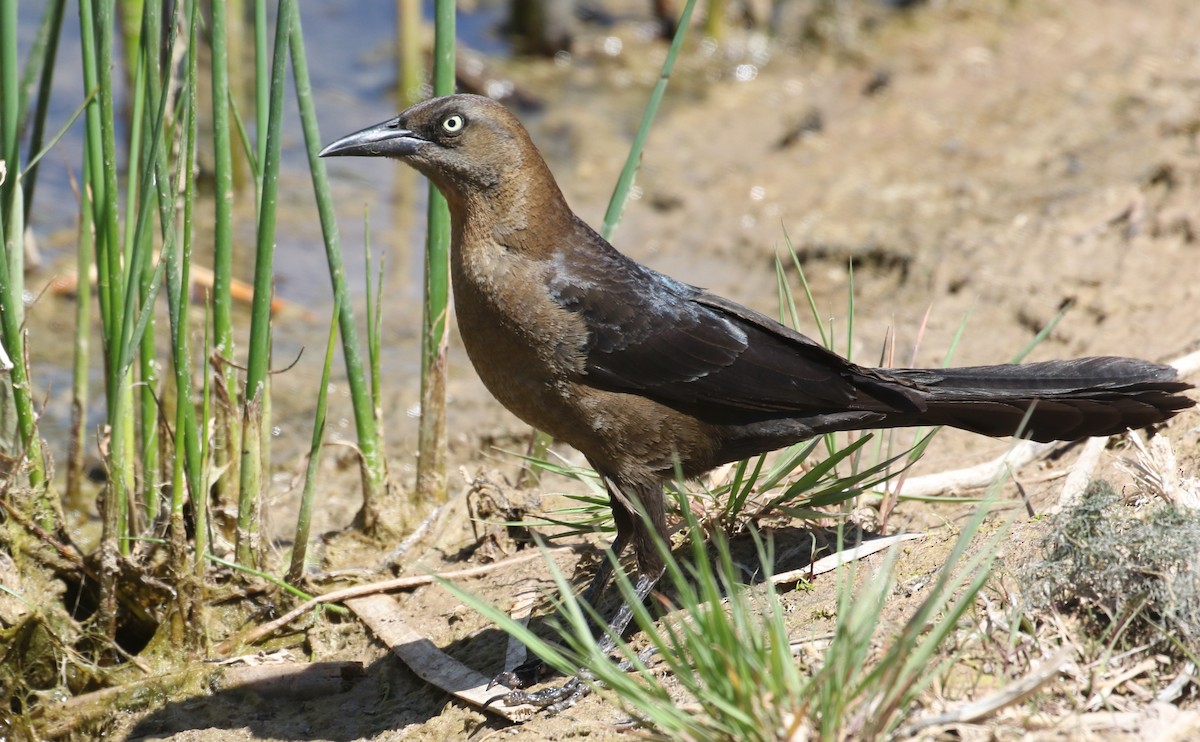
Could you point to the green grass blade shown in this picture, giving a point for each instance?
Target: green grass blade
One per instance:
(1043, 333)
(308, 494)
(616, 205)
(812, 302)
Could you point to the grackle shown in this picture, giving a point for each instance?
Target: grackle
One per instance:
(641, 372)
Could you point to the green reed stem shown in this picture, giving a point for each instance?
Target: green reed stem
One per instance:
(149, 76)
(82, 346)
(12, 262)
(187, 438)
(431, 435)
(374, 323)
(10, 95)
(111, 282)
(201, 538)
(262, 93)
(409, 52)
(254, 420)
(41, 65)
(96, 42)
(714, 21)
(143, 278)
(228, 423)
(369, 444)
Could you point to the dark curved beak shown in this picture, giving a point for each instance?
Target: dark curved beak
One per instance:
(388, 139)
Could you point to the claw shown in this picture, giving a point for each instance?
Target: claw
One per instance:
(553, 700)
(521, 676)
(503, 678)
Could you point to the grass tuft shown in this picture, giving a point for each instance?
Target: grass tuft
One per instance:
(1127, 571)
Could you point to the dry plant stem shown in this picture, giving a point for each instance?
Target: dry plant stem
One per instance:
(1081, 474)
(1009, 695)
(1102, 695)
(845, 556)
(978, 476)
(1175, 688)
(522, 609)
(381, 614)
(1188, 364)
(400, 583)
(426, 527)
(60, 720)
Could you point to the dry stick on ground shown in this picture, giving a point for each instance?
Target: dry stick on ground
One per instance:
(400, 583)
(1158, 721)
(1013, 693)
(382, 615)
(1081, 474)
(521, 611)
(1174, 689)
(845, 556)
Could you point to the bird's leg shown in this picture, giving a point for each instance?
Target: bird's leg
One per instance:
(530, 672)
(643, 497)
(604, 571)
(571, 692)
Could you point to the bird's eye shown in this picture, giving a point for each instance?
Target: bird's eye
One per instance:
(453, 124)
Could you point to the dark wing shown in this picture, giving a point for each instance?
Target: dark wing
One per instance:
(687, 348)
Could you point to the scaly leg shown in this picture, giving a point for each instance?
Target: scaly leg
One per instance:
(627, 501)
(530, 672)
(571, 692)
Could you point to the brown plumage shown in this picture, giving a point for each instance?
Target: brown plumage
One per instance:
(639, 371)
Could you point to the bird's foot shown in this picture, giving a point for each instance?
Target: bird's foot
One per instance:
(522, 676)
(555, 700)
(552, 700)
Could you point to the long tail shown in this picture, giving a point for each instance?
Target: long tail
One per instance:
(1070, 399)
(1050, 401)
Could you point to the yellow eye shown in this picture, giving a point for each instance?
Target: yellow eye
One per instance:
(453, 124)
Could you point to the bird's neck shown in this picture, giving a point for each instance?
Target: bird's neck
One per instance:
(525, 211)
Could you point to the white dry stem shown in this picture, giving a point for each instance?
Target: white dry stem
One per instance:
(1155, 469)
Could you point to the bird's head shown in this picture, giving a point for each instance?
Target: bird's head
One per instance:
(463, 143)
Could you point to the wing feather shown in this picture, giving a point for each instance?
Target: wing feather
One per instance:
(682, 346)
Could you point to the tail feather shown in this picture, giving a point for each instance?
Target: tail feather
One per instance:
(1051, 400)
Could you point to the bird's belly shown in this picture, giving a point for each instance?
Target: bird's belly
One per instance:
(616, 431)
(514, 377)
